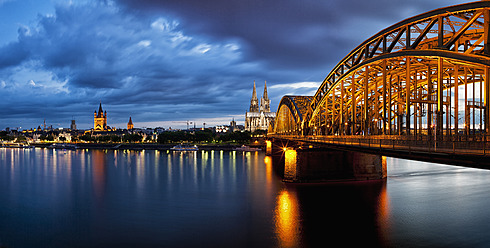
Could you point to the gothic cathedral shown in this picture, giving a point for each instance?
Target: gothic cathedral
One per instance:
(259, 117)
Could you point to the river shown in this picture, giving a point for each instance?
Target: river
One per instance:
(150, 198)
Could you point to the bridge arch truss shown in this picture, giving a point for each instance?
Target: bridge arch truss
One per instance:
(290, 115)
(426, 75)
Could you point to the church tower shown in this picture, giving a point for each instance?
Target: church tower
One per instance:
(254, 103)
(130, 124)
(100, 119)
(73, 126)
(265, 103)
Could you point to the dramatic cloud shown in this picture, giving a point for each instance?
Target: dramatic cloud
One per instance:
(289, 33)
(165, 61)
(91, 52)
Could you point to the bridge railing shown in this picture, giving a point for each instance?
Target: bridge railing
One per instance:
(471, 145)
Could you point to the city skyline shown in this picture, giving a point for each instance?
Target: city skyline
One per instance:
(167, 62)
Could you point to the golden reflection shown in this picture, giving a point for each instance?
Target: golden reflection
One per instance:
(234, 173)
(384, 212)
(68, 161)
(268, 176)
(287, 221)
(83, 164)
(268, 169)
(51, 170)
(169, 169)
(115, 157)
(157, 162)
(221, 163)
(98, 172)
(256, 162)
(140, 167)
(12, 159)
(194, 162)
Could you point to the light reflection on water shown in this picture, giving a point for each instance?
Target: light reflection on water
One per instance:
(97, 198)
(287, 219)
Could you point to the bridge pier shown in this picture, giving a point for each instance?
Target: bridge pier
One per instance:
(305, 164)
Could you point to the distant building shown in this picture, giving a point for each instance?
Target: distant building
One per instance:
(159, 130)
(100, 120)
(221, 129)
(130, 124)
(233, 126)
(64, 136)
(259, 117)
(73, 126)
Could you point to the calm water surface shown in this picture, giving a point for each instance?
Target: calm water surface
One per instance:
(96, 198)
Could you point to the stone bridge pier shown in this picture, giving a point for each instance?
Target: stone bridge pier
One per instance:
(297, 162)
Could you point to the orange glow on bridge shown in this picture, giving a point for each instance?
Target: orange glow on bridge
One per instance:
(268, 146)
(290, 164)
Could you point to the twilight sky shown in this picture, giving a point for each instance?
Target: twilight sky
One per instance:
(164, 62)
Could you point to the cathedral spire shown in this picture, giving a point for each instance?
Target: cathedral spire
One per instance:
(254, 103)
(265, 103)
(265, 92)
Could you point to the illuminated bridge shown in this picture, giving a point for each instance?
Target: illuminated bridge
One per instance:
(419, 89)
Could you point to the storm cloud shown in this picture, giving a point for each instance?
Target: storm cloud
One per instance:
(164, 61)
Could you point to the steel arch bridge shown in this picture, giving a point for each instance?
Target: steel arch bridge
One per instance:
(426, 76)
(290, 115)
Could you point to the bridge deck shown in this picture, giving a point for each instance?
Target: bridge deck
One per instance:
(472, 152)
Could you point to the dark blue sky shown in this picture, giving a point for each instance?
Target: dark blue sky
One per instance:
(166, 62)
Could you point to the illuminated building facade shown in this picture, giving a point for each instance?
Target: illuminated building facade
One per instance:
(259, 117)
(100, 120)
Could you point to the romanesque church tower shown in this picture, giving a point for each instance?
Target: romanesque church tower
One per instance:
(100, 119)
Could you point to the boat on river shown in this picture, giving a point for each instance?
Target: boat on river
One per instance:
(185, 148)
(63, 146)
(16, 145)
(245, 148)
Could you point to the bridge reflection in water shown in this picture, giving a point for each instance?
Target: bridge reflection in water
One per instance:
(420, 86)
